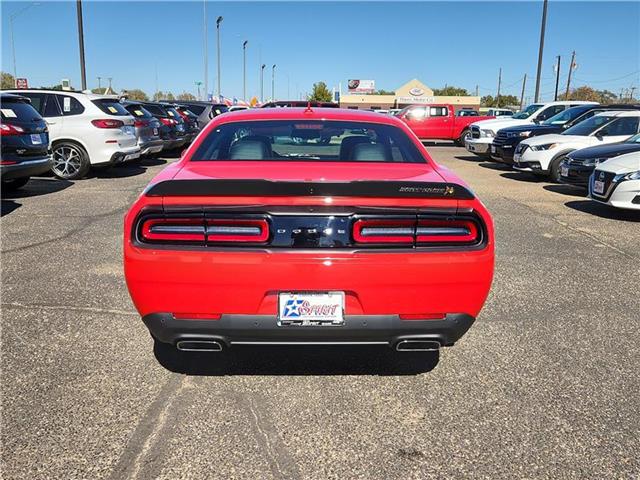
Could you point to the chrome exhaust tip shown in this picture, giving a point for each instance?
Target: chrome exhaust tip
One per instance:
(417, 346)
(199, 345)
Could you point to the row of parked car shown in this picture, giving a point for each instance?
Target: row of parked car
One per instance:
(585, 144)
(68, 132)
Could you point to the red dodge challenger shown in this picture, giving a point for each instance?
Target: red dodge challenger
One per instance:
(308, 226)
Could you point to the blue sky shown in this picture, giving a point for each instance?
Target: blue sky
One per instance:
(454, 43)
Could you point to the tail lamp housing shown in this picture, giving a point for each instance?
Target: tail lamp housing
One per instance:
(107, 123)
(7, 129)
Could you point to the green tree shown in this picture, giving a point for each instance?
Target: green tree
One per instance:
(186, 96)
(160, 95)
(450, 91)
(582, 93)
(137, 94)
(320, 93)
(98, 91)
(8, 80)
(503, 101)
(384, 92)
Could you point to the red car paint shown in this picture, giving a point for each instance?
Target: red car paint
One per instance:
(202, 286)
(438, 122)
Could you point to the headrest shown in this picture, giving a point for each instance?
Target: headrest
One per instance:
(370, 152)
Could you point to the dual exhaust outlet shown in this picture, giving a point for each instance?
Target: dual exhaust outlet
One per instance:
(210, 345)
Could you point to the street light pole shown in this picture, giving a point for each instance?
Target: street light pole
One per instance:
(83, 71)
(262, 83)
(540, 50)
(273, 82)
(206, 52)
(244, 70)
(13, 44)
(218, 22)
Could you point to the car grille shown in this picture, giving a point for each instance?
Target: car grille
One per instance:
(607, 178)
(475, 132)
(521, 148)
(500, 138)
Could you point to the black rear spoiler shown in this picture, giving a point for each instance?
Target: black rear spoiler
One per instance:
(268, 188)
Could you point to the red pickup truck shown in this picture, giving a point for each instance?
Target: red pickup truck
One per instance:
(438, 122)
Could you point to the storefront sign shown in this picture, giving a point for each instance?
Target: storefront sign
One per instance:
(22, 83)
(416, 99)
(362, 86)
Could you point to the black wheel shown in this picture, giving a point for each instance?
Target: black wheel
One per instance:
(554, 171)
(463, 136)
(70, 161)
(14, 183)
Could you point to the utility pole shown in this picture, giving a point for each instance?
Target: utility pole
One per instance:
(99, 83)
(633, 89)
(218, 22)
(541, 49)
(555, 95)
(156, 94)
(198, 85)
(262, 83)
(477, 91)
(244, 70)
(83, 72)
(273, 82)
(524, 83)
(499, 82)
(206, 52)
(109, 89)
(571, 67)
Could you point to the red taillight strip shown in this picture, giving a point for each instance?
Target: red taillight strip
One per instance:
(384, 231)
(232, 230)
(446, 231)
(173, 229)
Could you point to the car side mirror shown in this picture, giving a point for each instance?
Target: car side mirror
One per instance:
(536, 121)
(601, 134)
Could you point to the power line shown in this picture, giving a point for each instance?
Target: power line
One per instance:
(610, 80)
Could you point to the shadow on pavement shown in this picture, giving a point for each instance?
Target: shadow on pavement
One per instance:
(8, 206)
(296, 360)
(566, 190)
(522, 177)
(470, 158)
(604, 211)
(118, 171)
(494, 165)
(38, 186)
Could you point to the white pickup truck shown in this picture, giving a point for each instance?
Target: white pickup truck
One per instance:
(482, 132)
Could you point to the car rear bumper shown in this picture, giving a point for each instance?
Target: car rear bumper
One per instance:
(124, 156)
(264, 329)
(26, 168)
(151, 146)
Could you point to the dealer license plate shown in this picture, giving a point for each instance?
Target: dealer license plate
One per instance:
(310, 308)
(598, 187)
(35, 139)
(564, 171)
(493, 149)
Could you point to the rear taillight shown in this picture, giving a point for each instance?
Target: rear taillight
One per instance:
(447, 231)
(7, 129)
(141, 123)
(107, 123)
(418, 231)
(378, 230)
(200, 230)
(168, 121)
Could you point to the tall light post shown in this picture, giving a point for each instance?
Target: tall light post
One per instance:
(218, 22)
(13, 44)
(83, 70)
(543, 26)
(206, 52)
(273, 82)
(244, 70)
(262, 83)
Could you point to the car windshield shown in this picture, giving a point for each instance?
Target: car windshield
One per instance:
(634, 139)
(111, 107)
(308, 140)
(589, 126)
(18, 110)
(565, 116)
(527, 112)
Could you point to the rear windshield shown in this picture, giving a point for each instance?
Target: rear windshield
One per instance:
(197, 109)
(138, 111)
(527, 112)
(219, 110)
(589, 126)
(173, 113)
(19, 111)
(111, 107)
(311, 140)
(156, 110)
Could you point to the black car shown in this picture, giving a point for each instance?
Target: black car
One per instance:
(300, 104)
(147, 128)
(205, 111)
(507, 139)
(579, 165)
(24, 149)
(172, 128)
(190, 121)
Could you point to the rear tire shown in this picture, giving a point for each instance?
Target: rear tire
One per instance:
(14, 183)
(70, 161)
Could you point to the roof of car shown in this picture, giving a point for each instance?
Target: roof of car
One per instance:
(90, 96)
(13, 96)
(314, 113)
(619, 113)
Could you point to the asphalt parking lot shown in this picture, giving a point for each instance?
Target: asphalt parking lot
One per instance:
(544, 385)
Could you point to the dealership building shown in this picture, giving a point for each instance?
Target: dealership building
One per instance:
(413, 92)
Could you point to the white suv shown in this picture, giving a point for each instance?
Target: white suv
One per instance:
(85, 130)
(543, 155)
(616, 182)
(482, 132)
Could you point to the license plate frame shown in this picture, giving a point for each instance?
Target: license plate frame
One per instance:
(598, 187)
(327, 308)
